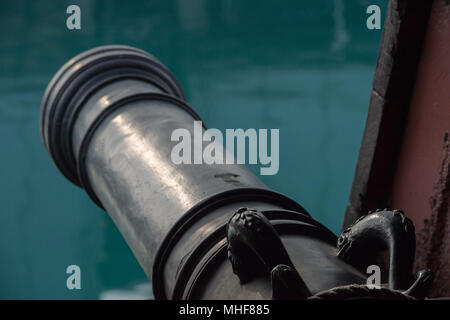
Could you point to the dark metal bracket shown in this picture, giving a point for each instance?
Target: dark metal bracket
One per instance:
(255, 248)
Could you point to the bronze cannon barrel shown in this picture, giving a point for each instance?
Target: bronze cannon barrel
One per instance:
(106, 121)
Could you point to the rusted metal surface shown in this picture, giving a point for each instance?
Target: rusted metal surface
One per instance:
(419, 159)
(404, 29)
(411, 171)
(433, 249)
(422, 181)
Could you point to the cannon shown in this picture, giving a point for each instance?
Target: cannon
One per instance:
(202, 231)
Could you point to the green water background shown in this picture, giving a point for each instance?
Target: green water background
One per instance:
(304, 67)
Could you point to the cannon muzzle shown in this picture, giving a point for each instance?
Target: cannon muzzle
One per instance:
(199, 231)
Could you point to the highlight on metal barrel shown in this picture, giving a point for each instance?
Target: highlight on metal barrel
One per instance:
(106, 121)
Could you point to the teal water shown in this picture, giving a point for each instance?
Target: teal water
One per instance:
(304, 67)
